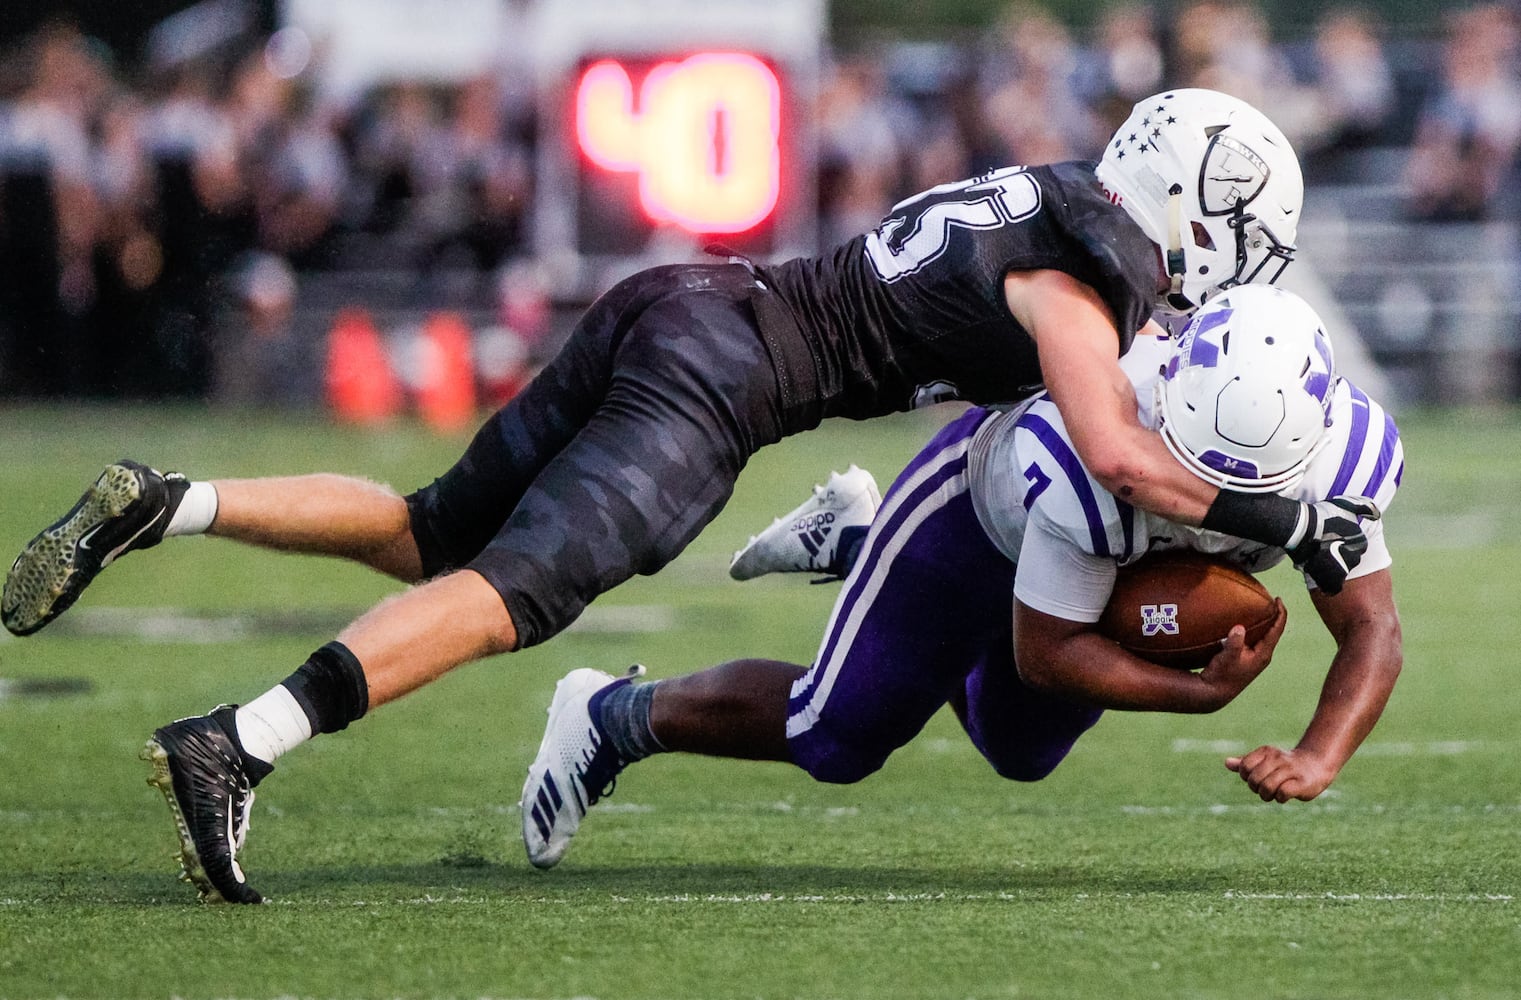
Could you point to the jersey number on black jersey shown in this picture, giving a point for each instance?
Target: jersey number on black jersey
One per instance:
(919, 229)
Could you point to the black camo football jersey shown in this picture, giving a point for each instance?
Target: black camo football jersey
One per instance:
(916, 307)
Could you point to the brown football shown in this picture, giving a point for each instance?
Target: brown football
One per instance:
(1175, 608)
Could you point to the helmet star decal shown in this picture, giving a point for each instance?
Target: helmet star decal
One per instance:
(1142, 140)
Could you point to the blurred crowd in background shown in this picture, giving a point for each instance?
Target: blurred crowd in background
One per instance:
(158, 221)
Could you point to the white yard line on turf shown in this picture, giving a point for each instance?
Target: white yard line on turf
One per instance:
(181, 625)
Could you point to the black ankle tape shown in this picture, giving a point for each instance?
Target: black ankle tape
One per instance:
(331, 689)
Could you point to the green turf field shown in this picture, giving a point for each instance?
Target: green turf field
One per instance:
(1141, 868)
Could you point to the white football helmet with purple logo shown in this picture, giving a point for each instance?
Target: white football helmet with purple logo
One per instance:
(1245, 398)
(1213, 183)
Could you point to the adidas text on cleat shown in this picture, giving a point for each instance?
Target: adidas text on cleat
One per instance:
(208, 783)
(127, 508)
(575, 768)
(818, 536)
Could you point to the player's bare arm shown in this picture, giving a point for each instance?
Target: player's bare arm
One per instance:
(1365, 624)
(1075, 335)
(1072, 660)
(1079, 358)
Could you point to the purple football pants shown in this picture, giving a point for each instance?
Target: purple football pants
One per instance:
(925, 619)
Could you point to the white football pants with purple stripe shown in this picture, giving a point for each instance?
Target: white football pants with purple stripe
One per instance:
(925, 619)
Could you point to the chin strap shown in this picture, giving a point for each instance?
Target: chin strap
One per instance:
(1177, 268)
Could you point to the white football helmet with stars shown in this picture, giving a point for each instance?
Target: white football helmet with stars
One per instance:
(1213, 183)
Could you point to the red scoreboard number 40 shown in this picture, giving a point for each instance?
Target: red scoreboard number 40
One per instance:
(702, 135)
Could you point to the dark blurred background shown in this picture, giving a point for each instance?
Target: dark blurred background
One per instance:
(197, 198)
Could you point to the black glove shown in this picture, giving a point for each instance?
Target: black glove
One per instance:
(1332, 543)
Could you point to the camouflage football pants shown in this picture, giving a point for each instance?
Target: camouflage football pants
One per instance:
(614, 458)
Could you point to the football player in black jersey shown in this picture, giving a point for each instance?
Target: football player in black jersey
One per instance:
(631, 439)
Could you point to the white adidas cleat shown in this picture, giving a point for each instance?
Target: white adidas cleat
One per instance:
(809, 539)
(576, 765)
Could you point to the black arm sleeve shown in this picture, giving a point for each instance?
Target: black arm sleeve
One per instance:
(1259, 517)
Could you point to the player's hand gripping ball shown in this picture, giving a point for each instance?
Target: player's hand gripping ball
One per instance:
(1176, 608)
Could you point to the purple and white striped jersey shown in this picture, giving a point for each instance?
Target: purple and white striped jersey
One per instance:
(1068, 536)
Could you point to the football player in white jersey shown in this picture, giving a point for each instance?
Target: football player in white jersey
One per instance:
(998, 514)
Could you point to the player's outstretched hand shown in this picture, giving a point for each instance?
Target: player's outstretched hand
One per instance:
(1333, 542)
(1237, 664)
(1279, 775)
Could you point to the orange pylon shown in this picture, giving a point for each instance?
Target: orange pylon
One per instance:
(446, 389)
(361, 386)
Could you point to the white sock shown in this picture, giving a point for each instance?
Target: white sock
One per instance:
(272, 724)
(197, 509)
